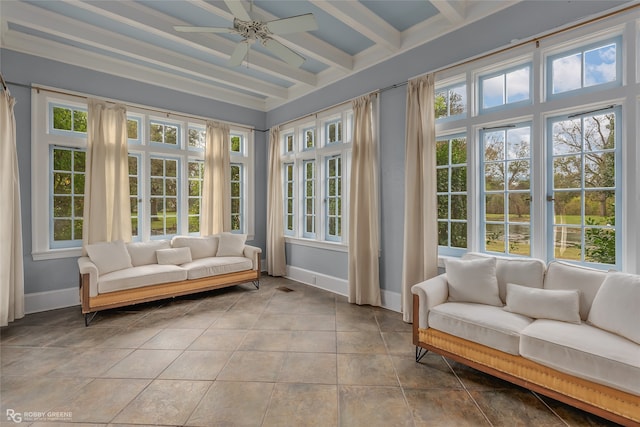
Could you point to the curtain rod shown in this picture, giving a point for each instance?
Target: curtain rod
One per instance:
(138, 106)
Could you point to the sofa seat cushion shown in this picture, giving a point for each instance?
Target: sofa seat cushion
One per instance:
(584, 351)
(136, 277)
(483, 324)
(214, 266)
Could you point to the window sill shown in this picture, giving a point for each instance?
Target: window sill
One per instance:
(332, 246)
(57, 254)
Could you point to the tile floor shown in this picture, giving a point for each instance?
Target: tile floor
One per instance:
(249, 357)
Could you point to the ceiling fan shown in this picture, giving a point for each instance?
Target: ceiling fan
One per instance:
(253, 30)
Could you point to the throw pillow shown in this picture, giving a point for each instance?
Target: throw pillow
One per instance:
(544, 303)
(473, 281)
(109, 256)
(201, 247)
(175, 256)
(615, 307)
(231, 244)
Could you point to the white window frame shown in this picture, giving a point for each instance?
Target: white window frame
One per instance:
(42, 139)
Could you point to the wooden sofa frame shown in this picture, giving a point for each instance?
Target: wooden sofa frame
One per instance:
(598, 399)
(92, 305)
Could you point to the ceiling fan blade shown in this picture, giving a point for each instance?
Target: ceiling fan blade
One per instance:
(239, 53)
(190, 29)
(294, 24)
(284, 53)
(237, 9)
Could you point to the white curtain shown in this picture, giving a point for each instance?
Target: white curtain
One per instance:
(107, 209)
(215, 211)
(276, 259)
(364, 278)
(11, 268)
(420, 261)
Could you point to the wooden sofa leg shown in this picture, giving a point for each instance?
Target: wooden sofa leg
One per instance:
(420, 353)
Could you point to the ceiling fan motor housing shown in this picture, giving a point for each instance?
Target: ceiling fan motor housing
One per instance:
(252, 30)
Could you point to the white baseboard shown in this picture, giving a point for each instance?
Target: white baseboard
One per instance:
(51, 300)
(390, 300)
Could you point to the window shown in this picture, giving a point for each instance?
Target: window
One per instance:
(67, 201)
(505, 87)
(552, 177)
(507, 189)
(584, 187)
(596, 65)
(165, 168)
(196, 177)
(334, 197)
(289, 200)
(315, 177)
(288, 143)
(451, 101)
(451, 176)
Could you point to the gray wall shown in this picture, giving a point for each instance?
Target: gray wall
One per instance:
(521, 21)
(26, 69)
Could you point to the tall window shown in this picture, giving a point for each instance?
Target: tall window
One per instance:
(165, 168)
(451, 174)
(315, 176)
(584, 186)
(507, 188)
(545, 174)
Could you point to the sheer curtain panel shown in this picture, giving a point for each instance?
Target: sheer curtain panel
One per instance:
(420, 260)
(276, 261)
(216, 190)
(11, 268)
(364, 279)
(107, 209)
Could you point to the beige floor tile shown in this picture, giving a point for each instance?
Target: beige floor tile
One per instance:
(400, 343)
(366, 369)
(173, 339)
(102, 399)
(142, 364)
(32, 335)
(390, 321)
(219, 339)
(367, 342)
(373, 406)
(296, 322)
(363, 320)
(431, 373)
(313, 341)
(515, 408)
(312, 368)
(573, 416)
(129, 338)
(37, 394)
(197, 365)
(303, 405)
(90, 362)
(85, 337)
(446, 408)
(196, 319)
(253, 366)
(233, 404)
(235, 320)
(266, 341)
(166, 402)
(38, 361)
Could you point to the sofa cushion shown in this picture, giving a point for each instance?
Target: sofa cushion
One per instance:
(109, 256)
(484, 324)
(201, 247)
(563, 275)
(215, 266)
(174, 256)
(231, 244)
(144, 253)
(615, 307)
(521, 271)
(136, 277)
(544, 303)
(473, 281)
(584, 351)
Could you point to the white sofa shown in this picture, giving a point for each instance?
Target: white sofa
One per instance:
(116, 274)
(563, 330)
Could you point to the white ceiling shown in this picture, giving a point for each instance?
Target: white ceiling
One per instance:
(136, 40)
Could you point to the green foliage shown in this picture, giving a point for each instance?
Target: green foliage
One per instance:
(601, 242)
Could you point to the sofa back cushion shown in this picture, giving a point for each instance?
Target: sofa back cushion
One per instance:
(109, 256)
(201, 247)
(144, 253)
(563, 275)
(473, 280)
(520, 271)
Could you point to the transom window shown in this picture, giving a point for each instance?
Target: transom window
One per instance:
(451, 101)
(507, 87)
(163, 133)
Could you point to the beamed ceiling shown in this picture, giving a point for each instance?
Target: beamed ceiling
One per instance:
(137, 40)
